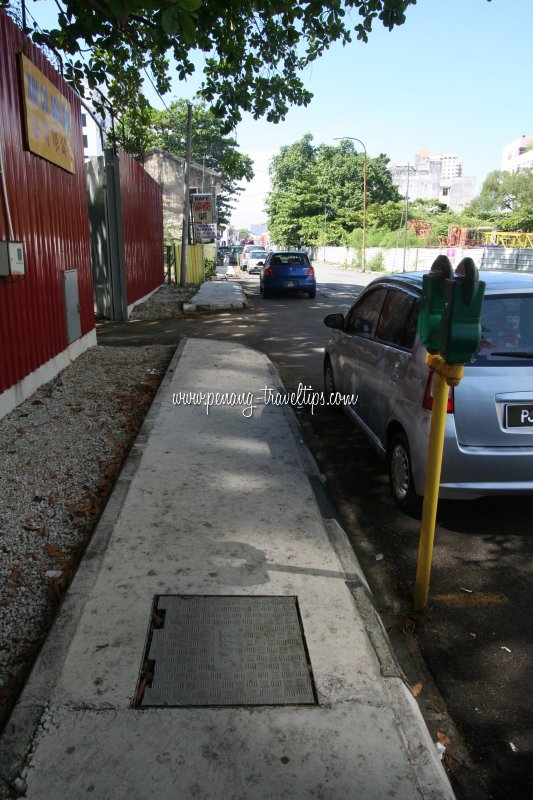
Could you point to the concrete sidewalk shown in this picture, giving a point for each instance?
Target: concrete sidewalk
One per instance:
(217, 296)
(219, 504)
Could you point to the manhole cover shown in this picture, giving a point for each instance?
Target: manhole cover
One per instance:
(218, 651)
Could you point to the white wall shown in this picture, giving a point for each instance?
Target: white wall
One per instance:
(417, 258)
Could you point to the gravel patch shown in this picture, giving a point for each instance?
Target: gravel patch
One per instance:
(165, 303)
(60, 453)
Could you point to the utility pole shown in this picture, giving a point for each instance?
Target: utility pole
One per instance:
(186, 200)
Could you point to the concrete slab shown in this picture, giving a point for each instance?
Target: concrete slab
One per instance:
(217, 296)
(217, 500)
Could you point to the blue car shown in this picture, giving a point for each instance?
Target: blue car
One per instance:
(287, 271)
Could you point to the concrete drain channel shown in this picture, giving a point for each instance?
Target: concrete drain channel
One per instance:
(225, 651)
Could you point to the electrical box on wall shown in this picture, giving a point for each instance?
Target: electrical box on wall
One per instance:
(11, 259)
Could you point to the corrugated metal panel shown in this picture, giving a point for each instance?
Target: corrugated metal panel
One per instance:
(195, 262)
(142, 224)
(48, 207)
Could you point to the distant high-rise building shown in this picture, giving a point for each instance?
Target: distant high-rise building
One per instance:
(92, 138)
(518, 155)
(435, 177)
(451, 166)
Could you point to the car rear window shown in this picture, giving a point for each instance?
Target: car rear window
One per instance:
(506, 330)
(289, 258)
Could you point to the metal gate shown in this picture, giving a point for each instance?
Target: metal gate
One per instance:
(107, 247)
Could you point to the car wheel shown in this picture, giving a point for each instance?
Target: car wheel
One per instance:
(266, 292)
(401, 476)
(312, 294)
(329, 381)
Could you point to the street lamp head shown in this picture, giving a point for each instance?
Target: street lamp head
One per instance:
(352, 139)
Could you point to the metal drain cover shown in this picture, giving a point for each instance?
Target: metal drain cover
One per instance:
(231, 650)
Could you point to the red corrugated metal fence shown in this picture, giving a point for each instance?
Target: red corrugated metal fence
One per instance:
(48, 208)
(142, 222)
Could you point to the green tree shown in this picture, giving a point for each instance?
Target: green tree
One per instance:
(521, 220)
(385, 215)
(255, 50)
(142, 127)
(317, 189)
(503, 192)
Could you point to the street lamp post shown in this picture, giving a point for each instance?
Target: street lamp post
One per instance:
(363, 253)
(406, 216)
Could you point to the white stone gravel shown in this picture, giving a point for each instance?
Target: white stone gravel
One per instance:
(166, 303)
(59, 454)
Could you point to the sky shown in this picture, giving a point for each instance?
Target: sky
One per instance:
(455, 78)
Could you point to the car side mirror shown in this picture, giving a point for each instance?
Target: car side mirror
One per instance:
(334, 321)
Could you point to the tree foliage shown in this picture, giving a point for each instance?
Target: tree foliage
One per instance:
(255, 50)
(142, 128)
(504, 192)
(317, 192)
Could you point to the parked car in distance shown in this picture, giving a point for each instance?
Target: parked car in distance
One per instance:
(234, 254)
(222, 252)
(256, 260)
(245, 253)
(287, 271)
(375, 355)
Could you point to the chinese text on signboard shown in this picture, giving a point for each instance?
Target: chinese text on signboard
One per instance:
(202, 215)
(48, 118)
(202, 209)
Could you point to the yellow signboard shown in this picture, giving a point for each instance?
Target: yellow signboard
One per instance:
(48, 117)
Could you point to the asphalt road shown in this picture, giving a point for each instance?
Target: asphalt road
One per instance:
(476, 636)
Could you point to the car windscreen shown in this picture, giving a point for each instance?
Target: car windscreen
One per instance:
(506, 330)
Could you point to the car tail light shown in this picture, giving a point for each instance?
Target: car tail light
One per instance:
(427, 402)
(310, 272)
(268, 271)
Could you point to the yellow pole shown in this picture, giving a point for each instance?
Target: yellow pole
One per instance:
(431, 491)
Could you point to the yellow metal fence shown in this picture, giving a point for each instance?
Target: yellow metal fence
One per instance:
(196, 256)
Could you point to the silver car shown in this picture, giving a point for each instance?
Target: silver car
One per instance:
(374, 354)
(256, 259)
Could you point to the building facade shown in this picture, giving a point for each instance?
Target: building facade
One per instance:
(168, 171)
(518, 155)
(92, 136)
(435, 177)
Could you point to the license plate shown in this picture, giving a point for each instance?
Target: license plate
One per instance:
(519, 416)
(290, 284)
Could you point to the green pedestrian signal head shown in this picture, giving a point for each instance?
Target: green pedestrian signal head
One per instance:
(433, 303)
